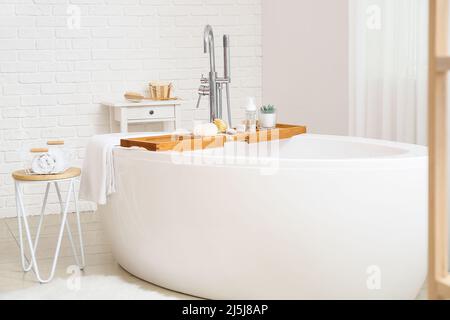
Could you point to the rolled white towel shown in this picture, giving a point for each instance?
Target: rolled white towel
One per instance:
(51, 162)
(205, 130)
(43, 164)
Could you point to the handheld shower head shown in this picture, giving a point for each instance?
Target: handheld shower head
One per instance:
(226, 57)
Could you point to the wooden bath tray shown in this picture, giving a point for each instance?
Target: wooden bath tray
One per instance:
(190, 143)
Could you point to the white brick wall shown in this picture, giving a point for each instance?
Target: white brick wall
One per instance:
(53, 77)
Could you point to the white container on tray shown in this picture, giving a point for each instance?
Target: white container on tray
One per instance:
(268, 120)
(268, 117)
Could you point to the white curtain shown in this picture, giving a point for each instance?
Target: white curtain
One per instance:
(388, 69)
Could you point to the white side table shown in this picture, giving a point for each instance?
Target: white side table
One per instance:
(147, 111)
(21, 178)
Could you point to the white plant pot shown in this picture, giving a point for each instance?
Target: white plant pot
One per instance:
(268, 120)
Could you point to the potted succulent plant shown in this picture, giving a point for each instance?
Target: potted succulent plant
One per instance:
(268, 116)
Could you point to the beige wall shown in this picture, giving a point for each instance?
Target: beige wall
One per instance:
(305, 62)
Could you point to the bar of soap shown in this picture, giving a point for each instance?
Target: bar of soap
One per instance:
(231, 131)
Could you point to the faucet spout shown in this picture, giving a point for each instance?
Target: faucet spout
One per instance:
(215, 85)
(208, 43)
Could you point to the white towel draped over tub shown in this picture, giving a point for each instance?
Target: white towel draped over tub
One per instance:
(97, 181)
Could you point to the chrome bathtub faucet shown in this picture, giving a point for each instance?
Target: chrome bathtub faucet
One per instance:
(213, 86)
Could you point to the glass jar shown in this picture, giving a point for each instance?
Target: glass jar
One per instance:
(61, 155)
(40, 161)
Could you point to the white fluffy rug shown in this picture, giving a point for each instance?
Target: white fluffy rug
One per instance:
(87, 288)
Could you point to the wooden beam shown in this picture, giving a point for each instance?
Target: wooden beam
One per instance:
(437, 135)
(443, 64)
(432, 279)
(441, 24)
(443, 287)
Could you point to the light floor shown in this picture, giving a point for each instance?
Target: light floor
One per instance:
(99, 258)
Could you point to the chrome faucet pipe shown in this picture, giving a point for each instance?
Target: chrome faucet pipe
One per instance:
(208, 43)
(227, 92)
(227, 74)
(213, 86)
(226, 57)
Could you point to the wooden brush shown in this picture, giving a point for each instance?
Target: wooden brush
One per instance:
(134, 97)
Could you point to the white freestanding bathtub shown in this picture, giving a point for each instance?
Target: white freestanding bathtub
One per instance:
(313, 217)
